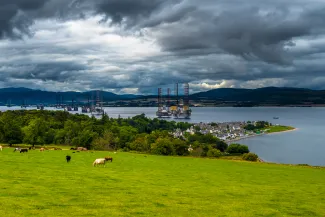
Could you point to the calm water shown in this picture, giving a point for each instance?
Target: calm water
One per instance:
(303, 146)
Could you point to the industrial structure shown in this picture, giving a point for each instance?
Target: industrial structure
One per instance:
(97, 107)
(181, 107)
(163, 105)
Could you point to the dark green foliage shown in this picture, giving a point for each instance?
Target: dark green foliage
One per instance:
(237, 149)
(258, 125)
(221, 145)
(197, 152)
(163, 146)
(10, 131)
(214, 153)
(181, 148)
(57, 127)
(140, 143)
(201, 138)
(250, 157)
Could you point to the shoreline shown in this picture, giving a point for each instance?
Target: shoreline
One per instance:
(262, 134)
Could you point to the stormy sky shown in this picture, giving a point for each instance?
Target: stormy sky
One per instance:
(135, 46)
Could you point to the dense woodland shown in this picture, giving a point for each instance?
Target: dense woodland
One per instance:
(139, 133)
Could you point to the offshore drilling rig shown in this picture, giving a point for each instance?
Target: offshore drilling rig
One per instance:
(179, 109)
(163, 105)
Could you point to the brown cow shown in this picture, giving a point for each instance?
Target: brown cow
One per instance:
(81, 149)
(109, 158)
(42, 149)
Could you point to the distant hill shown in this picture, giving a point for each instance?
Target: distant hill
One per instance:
(268, 95)
(16, 96)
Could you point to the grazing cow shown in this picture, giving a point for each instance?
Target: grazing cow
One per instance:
(100, 161)
(23, 150)
(42, 149)
(109, 159)
(17, 149)
(0, 147)
(81, 149)
(68, 158)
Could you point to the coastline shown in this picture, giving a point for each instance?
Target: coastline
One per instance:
(262, 134)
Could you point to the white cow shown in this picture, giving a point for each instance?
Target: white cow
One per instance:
(17, 149)
(100, 161)
(0, 147)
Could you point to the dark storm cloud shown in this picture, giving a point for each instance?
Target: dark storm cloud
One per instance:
(250, 33)
(55, 71)
(16, 16)
(241, 42)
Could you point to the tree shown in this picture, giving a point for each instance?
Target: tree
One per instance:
(107, 142)
(237, 149)
(214, 153)
(10, 131)
(35, 132)
(221, 145)
(126, 135)
(163, 146)
(140, 143)
(181, 148)
(250, 157)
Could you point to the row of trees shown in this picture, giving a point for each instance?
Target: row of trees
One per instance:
(57, 127)
(139, 134)
(258, 125)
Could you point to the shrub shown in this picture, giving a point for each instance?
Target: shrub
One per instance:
(237, 149)
(181, 148)
(162, 147)
(197, 152)
(250, 157)
(214, 153)
(140, 144)
(221, 145)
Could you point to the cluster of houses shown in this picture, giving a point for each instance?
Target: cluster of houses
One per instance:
(226, 131)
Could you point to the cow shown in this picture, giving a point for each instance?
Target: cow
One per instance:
(109, 158)
(81, 149)
(100, 161)
(42, 149)
(23, 150)
(17, 149)
(72, 149)
(68, 158)
(0, 147)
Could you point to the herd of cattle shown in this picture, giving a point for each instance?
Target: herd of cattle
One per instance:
(97, 162)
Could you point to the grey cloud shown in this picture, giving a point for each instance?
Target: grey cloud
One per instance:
(242, 44)
(242, 32)
(16, 16)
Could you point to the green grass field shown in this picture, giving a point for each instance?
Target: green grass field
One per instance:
(277, 129)
(43, 184)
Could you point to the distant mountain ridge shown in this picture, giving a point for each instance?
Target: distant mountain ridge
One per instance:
(275, 96)
(18, 96)
(264, 96)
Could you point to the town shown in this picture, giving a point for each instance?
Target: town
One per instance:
(226, 131)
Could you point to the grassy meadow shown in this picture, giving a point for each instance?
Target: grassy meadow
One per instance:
(278, 129)
(43, 184)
